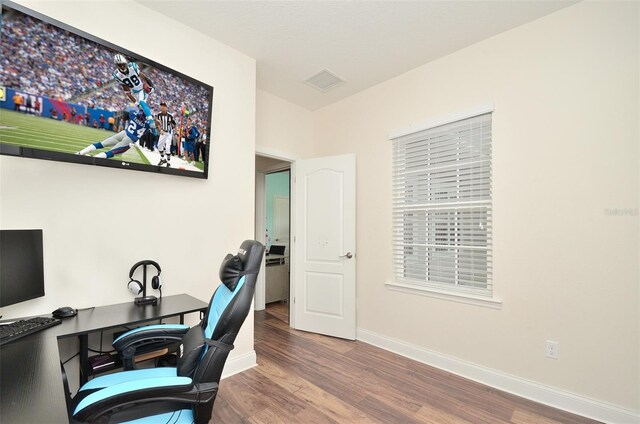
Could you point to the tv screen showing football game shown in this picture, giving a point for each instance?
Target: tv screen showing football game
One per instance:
(68, 96)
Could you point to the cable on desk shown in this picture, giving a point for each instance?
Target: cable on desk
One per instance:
(71, 358)
(101, 351)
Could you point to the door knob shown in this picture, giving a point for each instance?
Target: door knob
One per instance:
(348, 255)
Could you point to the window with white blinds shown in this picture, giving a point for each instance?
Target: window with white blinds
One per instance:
(442, 207)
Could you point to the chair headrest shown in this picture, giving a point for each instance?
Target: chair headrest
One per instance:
(231, 271)
(250, 253)
(246, 261)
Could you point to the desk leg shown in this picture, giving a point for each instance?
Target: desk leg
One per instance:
(84, 358)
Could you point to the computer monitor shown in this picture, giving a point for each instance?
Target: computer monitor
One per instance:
(277, 250)
(21, 266)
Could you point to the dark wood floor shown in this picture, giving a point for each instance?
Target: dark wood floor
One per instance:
(307, 378)
(279, 310)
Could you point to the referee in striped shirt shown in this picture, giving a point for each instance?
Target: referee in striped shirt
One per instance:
(166, 123)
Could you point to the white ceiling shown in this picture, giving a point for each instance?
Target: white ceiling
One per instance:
(363, 42)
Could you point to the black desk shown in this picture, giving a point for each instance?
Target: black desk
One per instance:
(31, 388)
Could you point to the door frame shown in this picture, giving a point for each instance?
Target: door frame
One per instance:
(260, 227)
(260, 230)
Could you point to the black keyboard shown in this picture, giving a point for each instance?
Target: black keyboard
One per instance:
(21, 328)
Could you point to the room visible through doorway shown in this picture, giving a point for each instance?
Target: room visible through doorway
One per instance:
(276, 205)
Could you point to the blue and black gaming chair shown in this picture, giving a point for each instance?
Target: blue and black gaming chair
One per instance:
(185, 393)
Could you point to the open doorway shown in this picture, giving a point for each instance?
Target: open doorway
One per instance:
(273, 212)
(322, 280)
(277, 269)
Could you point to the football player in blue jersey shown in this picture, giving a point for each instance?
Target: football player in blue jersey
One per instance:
(136, 85)
(121, 142)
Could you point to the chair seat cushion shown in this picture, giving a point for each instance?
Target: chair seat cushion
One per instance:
(181, 383)
(183, 416)
(126, 376)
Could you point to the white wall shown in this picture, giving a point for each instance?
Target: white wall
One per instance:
(282, 127)
(565, 142)
(97, 222)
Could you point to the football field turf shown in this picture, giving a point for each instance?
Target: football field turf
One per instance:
(58, 136)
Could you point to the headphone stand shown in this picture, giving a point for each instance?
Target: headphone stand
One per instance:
(144, 299)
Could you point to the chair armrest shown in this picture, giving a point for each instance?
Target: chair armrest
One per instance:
(150, 336)
(172, 332)
(174, 389)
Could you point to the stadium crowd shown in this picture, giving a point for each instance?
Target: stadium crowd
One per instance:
(44, 60)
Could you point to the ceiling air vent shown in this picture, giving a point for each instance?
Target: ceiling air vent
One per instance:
(325, 80)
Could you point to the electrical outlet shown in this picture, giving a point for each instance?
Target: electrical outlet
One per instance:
(551, 349)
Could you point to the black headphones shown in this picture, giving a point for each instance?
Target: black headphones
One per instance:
(135, 286)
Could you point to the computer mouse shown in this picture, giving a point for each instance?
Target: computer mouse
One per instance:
(64, 312)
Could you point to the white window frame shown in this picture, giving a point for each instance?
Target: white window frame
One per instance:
(426, 285)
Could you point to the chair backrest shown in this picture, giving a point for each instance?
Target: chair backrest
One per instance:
(228, 308)
(231, 301)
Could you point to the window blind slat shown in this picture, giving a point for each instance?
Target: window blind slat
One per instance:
(441, 201)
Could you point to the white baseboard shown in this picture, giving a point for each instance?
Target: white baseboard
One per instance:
(515, 385)
(239, 364)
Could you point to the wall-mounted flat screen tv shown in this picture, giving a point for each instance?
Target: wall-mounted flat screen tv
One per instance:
(68, 96)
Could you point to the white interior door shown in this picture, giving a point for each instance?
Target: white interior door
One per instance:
(323, 259)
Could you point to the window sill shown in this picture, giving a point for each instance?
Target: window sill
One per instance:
(459, 297)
